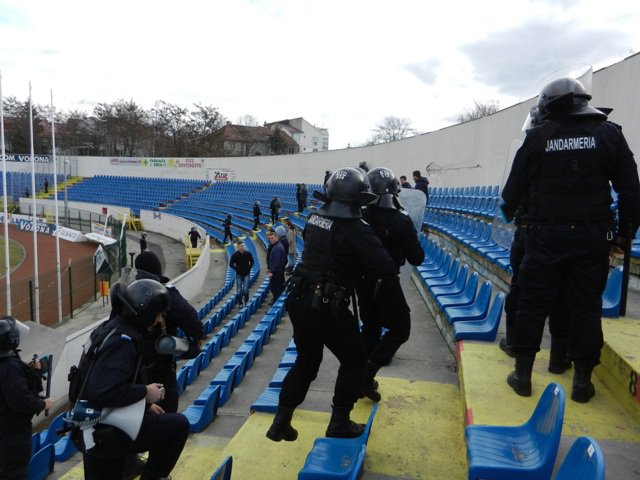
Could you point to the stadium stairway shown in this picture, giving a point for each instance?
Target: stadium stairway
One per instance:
(431, 390)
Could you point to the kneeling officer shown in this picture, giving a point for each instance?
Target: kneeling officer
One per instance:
(111, 383)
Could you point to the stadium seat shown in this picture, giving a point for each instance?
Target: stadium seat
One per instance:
(584, 461)
(525, 452)
(42, 462)
(226, 378)
(339, 458)
(612, 293)
(223, 472)
(50, 435)
(465, 297)
(203, 410)
(267, 401)
(482, 329)
(474, 311)
(64, 448)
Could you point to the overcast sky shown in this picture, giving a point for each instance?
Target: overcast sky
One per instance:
(343, 65)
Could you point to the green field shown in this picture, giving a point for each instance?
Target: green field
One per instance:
(16, 254)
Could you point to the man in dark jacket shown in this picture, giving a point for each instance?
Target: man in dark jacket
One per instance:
(421, 183)
(276, 264)
(241, 262)
(256, 214)
(227, 229)
(275, 207)
(162, 368)
(20, 385)
(113, 382)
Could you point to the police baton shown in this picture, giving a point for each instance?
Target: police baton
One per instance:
(46, 364)
(625, 269)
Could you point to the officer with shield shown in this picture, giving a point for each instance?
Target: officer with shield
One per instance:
(385, 305)
(561, 177)
(339, 248)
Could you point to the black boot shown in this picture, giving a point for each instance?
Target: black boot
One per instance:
(369, 387)
(281, 428)
(583, 390)
(520, 378)
(558, 361)
(505, 346)
(341, 426)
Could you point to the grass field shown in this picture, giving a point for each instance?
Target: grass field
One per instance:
(16, 254)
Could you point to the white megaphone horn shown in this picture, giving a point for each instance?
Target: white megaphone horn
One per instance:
(128, 419)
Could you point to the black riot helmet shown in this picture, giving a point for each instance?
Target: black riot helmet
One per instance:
(140, 302)
(9, 336)
(385, 185)
(346, 191)
(565, 97)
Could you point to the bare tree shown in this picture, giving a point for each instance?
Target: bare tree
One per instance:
(248, 120)
(479, 110)
(200, 126)
(391, 129)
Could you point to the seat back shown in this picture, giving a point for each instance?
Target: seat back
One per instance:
(612, 294)
(584, 461)
(223, 472)
(546, 424)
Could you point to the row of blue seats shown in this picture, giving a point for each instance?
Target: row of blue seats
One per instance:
(482, 206)
(454, 288)
(471, 191)
(202, 412)
(529, 451)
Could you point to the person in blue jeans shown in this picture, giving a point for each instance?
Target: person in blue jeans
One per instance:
(241, 262)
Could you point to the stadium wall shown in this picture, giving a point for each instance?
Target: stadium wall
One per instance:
(473, 153)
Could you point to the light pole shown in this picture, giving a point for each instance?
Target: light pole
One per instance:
(66, 198)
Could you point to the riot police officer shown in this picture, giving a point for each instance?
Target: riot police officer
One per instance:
(339, 248)
(561, 176)
(112, 383)
(20, 385)
(386, 306)
(181, 315)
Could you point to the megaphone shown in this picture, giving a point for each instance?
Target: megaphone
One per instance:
(169, 345)
(128, 419)
(86, 417)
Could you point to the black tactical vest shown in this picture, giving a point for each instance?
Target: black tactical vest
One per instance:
(568, 180)
(316, 257)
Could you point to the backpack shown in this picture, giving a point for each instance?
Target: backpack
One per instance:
(78, 374)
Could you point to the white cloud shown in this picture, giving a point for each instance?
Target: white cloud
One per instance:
(343, 65)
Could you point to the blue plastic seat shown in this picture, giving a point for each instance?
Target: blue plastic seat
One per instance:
(226, 378)
(454, 288)
(267, 401)
(203, 410)
(475, 311)
(466, 297)
(483, 329)
(584, 461)
(50, 435)
(612, 293)
(525, 452)
(42, 462)
(339, 458)
(223, 472)
(448, 279)
(64, 448)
